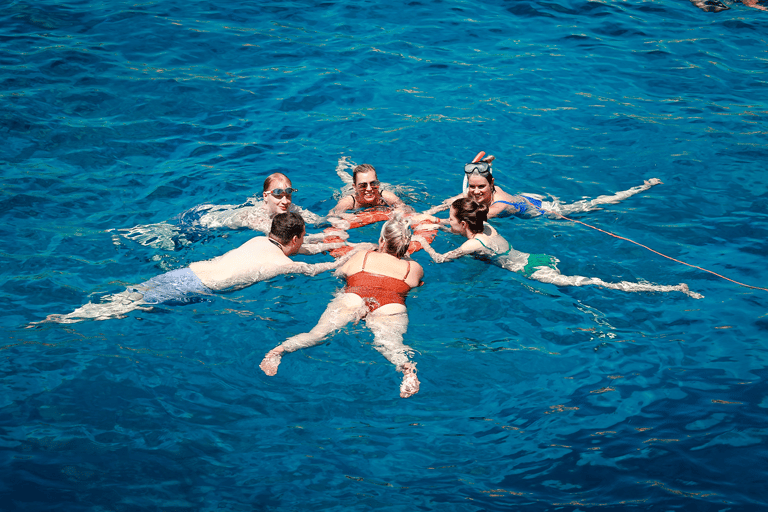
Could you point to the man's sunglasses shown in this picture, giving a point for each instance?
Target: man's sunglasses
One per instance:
(279, 193)
(481, 168)
(373, 184)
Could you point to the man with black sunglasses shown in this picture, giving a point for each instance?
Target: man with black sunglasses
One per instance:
(368, 192)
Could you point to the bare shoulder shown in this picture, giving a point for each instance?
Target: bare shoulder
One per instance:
(354, 264)
(255, 243)
(260, 250)
(471, 245)
(500, 194)
(391, 198)
(416, 274)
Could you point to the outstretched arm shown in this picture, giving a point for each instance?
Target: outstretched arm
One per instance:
(468, 247)
(312, 269)
(443, 206)
(316, 248)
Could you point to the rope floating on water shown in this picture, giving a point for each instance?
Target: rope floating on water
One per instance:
(660, 254)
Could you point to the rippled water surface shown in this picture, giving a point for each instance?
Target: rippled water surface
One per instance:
(120, 114)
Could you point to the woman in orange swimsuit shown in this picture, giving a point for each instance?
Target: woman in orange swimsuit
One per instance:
(377, 284)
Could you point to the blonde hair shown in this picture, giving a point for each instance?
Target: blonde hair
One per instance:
(396, 234)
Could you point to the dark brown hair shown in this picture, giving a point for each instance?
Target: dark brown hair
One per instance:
(473, 213)
(287, 225)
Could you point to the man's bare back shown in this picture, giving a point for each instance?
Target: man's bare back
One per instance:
(255, 260)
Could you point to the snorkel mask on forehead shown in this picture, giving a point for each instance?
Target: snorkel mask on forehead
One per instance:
(479, 165)
(483, 168)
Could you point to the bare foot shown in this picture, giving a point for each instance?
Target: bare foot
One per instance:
(61, 319)
(410, 385)
(271, 361)
(684, 288)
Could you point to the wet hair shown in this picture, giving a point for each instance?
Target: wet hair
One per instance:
(278, 176)
(396, 234)
(285, 226)
(469, 211)
(361, 169)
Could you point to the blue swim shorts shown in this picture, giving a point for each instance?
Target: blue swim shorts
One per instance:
(180, 286)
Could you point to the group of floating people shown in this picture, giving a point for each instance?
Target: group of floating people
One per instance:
(378, 276)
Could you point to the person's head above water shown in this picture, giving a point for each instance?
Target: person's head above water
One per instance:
(395, 236)
(467, 215)
(480, 181)
(288, 229)
(366, 184)
(278, 193)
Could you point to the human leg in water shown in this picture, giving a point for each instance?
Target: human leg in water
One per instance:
(556, 209)
(553, 276)
(343, 309)
(112, 306)
(388, 331)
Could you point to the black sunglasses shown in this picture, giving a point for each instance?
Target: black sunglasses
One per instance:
(280, 192)
(482, 168)
(373, 184)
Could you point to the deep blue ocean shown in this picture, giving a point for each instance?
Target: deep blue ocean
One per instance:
(119, 114)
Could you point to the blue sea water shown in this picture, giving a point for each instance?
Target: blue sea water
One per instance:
(117, 114)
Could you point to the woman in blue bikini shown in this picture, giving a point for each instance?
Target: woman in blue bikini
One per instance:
(467, 218)
(479, 185)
